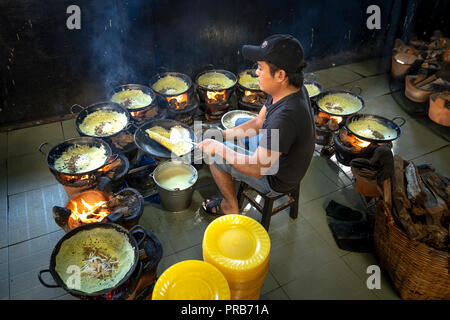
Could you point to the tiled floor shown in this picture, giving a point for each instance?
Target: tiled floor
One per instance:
(305, 262)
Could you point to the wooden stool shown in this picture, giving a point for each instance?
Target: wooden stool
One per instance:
(267, 210)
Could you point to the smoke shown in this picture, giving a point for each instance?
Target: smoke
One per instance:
(113, 49)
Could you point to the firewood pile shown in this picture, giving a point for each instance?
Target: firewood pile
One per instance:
(419, 200)
(425, 65)
(429, 61)
(435, 50)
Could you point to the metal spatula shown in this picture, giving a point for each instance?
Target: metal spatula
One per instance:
(180, 134)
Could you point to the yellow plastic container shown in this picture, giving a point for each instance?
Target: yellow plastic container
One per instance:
(238, 246)
(191, 280)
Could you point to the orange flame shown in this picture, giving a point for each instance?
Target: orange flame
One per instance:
(354, 141)
(215, 96)
(178, 100)
(88, 213)
(336, 119)
(360, 143)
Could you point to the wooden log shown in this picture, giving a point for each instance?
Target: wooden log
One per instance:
(414, 185)
(434, 206)
(398, 184)
(435, 237)
(387, 192)
(418, 210)
(413, 230)
(437, 185)
(61, 216)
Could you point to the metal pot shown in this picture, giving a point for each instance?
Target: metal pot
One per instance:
(130, 236)
(175, 200)
(106, 106)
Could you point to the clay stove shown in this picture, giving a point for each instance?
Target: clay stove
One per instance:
(124, 208)
(348, 147)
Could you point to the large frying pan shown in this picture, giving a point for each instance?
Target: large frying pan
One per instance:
(345, 113)
(129, 235)
(150, 146)
(104, 106)
(365, 125)
(56, 152)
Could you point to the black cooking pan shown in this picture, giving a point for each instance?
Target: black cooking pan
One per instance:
(315, 83)
(105, 106)
(55, 152)
(150, 146)
(140, 87)
(374, 128)
(130, 236)
(331, 92)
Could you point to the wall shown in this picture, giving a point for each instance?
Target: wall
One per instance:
(46, 68)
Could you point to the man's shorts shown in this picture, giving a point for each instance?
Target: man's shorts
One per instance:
(261, 184)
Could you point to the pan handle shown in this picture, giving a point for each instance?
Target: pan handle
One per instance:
(43, 282)
(114, 157)
(136, 230)
(360, 89)
(41, 146)
(403, 121)
(131, 124)
(75, 105)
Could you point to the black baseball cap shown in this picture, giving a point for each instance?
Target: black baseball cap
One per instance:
(282, 50)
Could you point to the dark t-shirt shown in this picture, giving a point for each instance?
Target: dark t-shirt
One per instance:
(293, 117)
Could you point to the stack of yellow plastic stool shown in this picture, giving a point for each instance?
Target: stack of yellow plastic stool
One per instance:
(239, 247)
(191, 280)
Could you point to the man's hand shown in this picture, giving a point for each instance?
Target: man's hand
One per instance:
(210, 146)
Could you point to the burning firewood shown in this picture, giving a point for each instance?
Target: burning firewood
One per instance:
(333, 125)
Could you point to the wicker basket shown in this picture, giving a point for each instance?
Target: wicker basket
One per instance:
(418, 271)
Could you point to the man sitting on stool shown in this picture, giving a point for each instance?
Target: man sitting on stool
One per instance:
(285, 124)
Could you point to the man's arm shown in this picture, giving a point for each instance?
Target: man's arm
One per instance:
(255, 165)
(247, 129)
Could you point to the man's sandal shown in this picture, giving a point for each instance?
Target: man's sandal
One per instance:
(213, 203)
